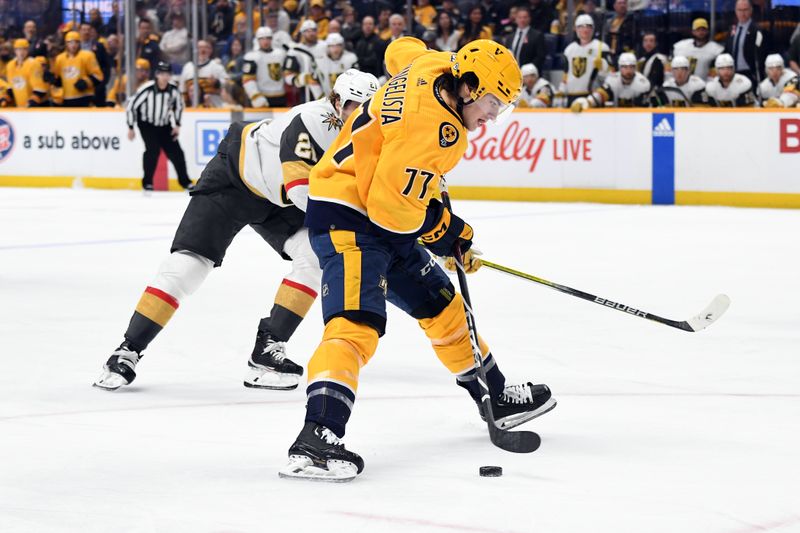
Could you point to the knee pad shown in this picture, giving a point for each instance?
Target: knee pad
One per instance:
(182, 273)
(305, 264)
(449, 336)
(346, 346)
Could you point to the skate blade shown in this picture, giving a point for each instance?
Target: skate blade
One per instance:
(110, 381)
(301, 467)
(517, 420)
(260, 378)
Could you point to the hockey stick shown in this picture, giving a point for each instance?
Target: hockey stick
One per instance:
(511, 441)
(701, 321)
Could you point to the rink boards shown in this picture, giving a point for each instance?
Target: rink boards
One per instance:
(702, 157)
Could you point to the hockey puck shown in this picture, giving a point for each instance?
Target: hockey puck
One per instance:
(490, 471)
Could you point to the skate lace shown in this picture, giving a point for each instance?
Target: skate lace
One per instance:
(329, 436)
(275, 349)
(129, 357)
(517, 394)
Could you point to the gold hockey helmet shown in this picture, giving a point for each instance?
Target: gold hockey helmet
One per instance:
(495, 67)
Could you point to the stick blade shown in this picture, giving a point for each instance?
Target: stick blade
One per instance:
(710, 314)
(515, 441)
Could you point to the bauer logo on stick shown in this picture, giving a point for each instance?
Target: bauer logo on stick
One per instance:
(6, 139)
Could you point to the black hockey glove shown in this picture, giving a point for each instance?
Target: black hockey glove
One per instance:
(81, 85)
(446, 232)
(48, 77)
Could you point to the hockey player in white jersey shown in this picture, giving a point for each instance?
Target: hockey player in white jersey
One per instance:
(301, 68)
(776, 80)
(729, 89)
(262, 72)
(683, 89)
(259, 178)
(626, 88)
(700, 50)
(211, 74)
(536, 91)
(335, 61)
(586, 61)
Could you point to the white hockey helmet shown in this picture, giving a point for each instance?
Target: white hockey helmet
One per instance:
(627, 60)
(723, 60)
(334, 39)
(774, 61)
(263, 33)
(355, 86)
(308, 24)
(584, 20)
(529, 69)
(679, 62)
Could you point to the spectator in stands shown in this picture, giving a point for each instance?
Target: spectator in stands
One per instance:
(96, 19)
(369, 48)
(117, 94)
(397, 28)
(542, 15)
(175, 46)
(424, 13)
(651, 63)
(89, 43)
(700, 50)
(147, 43)
(447, 35)
(316, 14)
(220, 20)
(76, 71)
(383, 30)
(475, 27)
(526, 43)
(234, 59)
(794, 50)
(210, 76)
(351, 27)
(451, 8)
(113, 45)
(280, 38)
(493, 12)
(620, 30)
(536, 91)
(31, 34)
(746, 43)
(284, 22)
(334, 26)
(111, 27)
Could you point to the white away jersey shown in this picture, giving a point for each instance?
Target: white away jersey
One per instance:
(767, 89)
(263, 72)
(701, 59)
(738, 93)
(278, 154)
(210, 77)
(691, 93)
(540, 95)
(330, 69)
(620, 94)
(580, 62)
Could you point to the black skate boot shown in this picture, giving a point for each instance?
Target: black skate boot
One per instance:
(120, 369)
(319, 455)
(519, 403)
(269, 366)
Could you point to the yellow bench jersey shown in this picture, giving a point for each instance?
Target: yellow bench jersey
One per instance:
(386, 164)
(81, 66)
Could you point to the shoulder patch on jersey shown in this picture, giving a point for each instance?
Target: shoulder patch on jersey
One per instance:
(332, 121)
(448, 135)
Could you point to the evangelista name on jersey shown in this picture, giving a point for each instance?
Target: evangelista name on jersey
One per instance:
(394, 97)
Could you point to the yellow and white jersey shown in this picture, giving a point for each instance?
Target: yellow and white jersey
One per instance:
(276, 156)
(329, 69)
(738, 92)
(620, 94)
(767, 89)
(262, 72)
(386, 165)
(210, 76)
(701, 58)
(692, 93)
(19, 77)
(580, 72)
(540, 95)
(70, 69)
(790, 97)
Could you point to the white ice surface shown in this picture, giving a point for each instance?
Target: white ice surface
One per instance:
(657, 430)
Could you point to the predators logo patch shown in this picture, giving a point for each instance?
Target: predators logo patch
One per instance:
(578, 66)
(448, 135)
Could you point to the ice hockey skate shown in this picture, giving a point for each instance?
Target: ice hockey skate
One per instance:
(120, 369)
(269, 366)
(319, 455)
(518, 404)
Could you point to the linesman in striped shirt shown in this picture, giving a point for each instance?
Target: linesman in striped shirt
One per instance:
(157, 108)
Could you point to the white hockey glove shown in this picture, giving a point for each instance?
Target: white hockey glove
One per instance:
(579, 105)
(259, 101)
(773, 102)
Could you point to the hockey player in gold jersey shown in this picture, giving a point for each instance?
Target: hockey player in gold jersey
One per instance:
(372, 195)
(77, 72)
